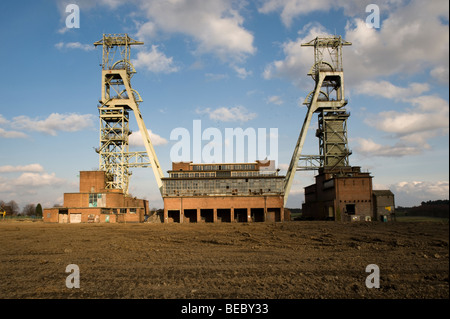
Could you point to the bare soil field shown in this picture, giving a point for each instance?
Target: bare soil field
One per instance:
(241, 260)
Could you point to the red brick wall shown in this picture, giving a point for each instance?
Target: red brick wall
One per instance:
(185, 166)
(223, 202)
(357, 191)
(92, 181)
(50, 215)
(76, 200)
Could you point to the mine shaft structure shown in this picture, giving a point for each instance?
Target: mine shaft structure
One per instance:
(328, 101)
(118, 98)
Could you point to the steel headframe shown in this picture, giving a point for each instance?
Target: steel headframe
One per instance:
(117, 99)
(328, 100)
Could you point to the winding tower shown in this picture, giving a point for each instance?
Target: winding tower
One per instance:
(118, 99)
(328, 101)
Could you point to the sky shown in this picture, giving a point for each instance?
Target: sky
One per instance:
(228, 64)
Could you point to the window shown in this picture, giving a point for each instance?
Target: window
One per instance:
(97, 200)
(92, 200)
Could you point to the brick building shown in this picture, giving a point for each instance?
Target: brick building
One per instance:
(238, 192)
(344, 195)
(383, 205)
(95, 203)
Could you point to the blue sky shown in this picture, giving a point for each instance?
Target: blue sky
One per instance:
(229, 64)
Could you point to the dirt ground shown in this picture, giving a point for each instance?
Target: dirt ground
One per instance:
(240, 260)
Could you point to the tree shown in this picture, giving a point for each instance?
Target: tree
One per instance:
(29, 210)
(14, 207)
(39, 210)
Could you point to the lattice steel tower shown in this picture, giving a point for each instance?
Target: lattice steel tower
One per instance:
(328, 100)
(117, 99)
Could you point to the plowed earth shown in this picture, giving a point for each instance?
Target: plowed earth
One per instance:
(240, 260)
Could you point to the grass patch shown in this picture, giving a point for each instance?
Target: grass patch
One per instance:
(421, 219)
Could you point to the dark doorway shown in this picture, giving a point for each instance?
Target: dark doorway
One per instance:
(350, 209)
(207, 215)
(257, 214)
(224, 215)
(174, 216)
(240, 215)
(190, 215)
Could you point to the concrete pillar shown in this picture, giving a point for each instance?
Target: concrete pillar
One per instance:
(249, 215)
(199, 218)
(181, 211)
(215, 215)
(166, 215)
(232, 215)
(265, 208)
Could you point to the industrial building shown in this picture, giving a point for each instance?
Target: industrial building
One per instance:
(94, 203)
(237, 192)
(227, 192)
(342, 196)
(341, 192)
(383, 205)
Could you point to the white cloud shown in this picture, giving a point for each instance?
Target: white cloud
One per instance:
(135, 139)
(368, 147)
(414, 192)
(37, 179)
(275, 99)
(9, 134)
(402, 45)
(54, 122)
(21, 168)
(215, 25)
(377, 53)
(146, 30)
(290, 9)
(3, 120)
(298, 60)
(427, 117)
(408, 122)
(391, 91)
(224, 114)
(440, 73)
(215, 77)
(29, 181)
(12, 134)
(242, 72)
(74, 45)
(155, 61)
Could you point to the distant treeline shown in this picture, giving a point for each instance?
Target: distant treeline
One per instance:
(431, 208)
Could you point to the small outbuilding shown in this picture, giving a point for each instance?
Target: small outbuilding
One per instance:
(96, 204)
(383, 205)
